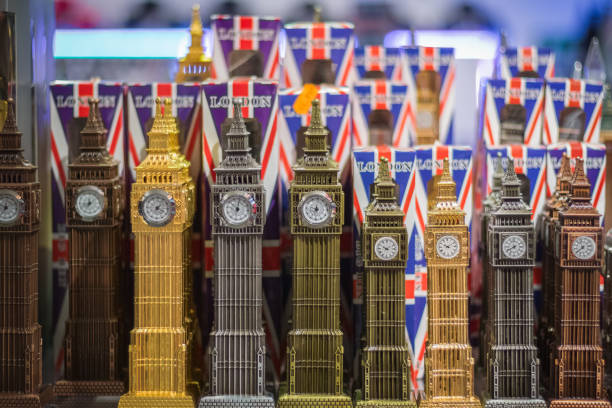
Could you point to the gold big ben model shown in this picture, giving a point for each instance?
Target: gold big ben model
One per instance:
(162, 208)
(449, 366)
(386, 360)
(315, 352)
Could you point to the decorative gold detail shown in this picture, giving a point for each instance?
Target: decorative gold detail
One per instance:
(448, 356)
(195, 66)
(159, 347)
(315, 341)
(386, 353)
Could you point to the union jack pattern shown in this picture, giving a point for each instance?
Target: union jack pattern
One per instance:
(68, 101)
(245, 33)
(334, 41)
(369, 95)
(562, 93)
(378, 58)
(442, 61)
(526, 92)
(512, 61)
(186, 100)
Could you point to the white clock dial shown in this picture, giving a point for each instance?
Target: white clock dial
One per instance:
(157, 207)
(238, 208)
(584, 247)
(11, 207)
(447, 246)
(89, 202)
(317, 209)
(514, 247)
(386, 248)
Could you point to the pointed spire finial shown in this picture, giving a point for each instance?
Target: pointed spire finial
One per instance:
(158, 119)
(565, 171)
(383, 168)
(315, 115)
(446, 175)
(10, 123)
(316, 17)
(594, 65)
(498, 173)
(445, 188)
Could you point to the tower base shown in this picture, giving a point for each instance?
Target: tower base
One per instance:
(15, 400)
(579, 403)
(73, 388)
(236, 401)
(314, 401)
(381, 403)
(450, 402)
(515, 403)
(146, 401)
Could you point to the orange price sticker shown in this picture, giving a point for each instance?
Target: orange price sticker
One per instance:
(302, 103)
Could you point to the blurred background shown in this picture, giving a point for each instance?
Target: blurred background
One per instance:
(565, 26)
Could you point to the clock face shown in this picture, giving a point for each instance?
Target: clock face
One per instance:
(514, 247)
(89, 202)
(157, 207)
(11, 207)
(238, 208)
(448, 246)
(317, 209)
(386, 248)
(584, 247)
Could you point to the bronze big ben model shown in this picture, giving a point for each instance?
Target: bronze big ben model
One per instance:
(94, 208)
(512, 363)
(386, 360)
(20, 341)
(547, 222)
(578, 362)
(449, 366)
(315, 352)
(162, 208)
(238, 340)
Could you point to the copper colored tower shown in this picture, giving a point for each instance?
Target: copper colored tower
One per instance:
(578, 371)
(386, 359)
(20, 341)
(449, 366)
(94, 216)
(238, 348)
(512, 363)
(548, 219)
(315, 352)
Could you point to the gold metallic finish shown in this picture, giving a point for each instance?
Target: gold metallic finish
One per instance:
(195, 66)
(159, 348)
(428, 107)
(94, 217)
(385, 359)
(449, 366)
(577, 365)
(315, 352)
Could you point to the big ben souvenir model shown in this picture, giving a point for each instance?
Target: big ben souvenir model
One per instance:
(385, 358)
(512, 363)
(315, 351)
(578, 370)
(195, 66)
(449, 366)
(162, 207)
(94, 217)
(238, 349)
(20, 340)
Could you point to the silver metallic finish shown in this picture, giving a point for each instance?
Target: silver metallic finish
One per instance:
(98, 193)
(237, 373)
(511, 363)
(19, 203)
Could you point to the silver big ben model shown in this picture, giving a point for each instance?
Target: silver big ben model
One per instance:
(512, 363)
(238, 339)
